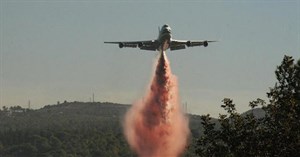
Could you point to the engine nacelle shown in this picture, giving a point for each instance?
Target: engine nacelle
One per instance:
(140, 44)
(205, 43)
(121, 45)
(188, 43)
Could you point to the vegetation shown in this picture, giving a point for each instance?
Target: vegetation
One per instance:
(277, 133)
(70, 129)
(77, 129)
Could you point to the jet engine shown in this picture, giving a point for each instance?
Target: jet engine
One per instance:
(188, 43)
(121, 45)
(140, 44)
(205, 43)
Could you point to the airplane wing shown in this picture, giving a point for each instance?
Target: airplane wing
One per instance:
(180, 44)
(143, 45)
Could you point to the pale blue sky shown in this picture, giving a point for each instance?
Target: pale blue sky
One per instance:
(53, 50)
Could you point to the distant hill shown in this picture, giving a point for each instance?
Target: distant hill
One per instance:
(87, 112)
(101, 109)
(76, 112)
(79, 128)
(257, 112)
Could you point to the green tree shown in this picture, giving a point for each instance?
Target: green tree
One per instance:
(283, 113)
(41, 143)
(22, 150)
(275, 134)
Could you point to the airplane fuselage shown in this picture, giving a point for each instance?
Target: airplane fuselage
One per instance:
(164, 38)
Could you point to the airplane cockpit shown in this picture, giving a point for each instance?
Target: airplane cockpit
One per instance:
(165, 25)
(166, 28)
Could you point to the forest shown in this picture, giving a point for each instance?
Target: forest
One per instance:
(94, 129)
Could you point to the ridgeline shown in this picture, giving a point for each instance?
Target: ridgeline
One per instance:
(69, 129)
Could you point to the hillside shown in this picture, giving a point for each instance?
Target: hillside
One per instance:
(63, 114)
(80, 128)
(257, 112)
(68, 112)
(93, 127)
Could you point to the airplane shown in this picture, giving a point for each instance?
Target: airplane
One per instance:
(163, 42)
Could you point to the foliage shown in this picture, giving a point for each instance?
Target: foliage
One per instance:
(69, 129)
(64, 130)
(277, 133)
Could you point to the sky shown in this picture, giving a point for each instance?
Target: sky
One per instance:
(53, 51)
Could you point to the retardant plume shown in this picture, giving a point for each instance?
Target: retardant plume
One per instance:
(155, 126)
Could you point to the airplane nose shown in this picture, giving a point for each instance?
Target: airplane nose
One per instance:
(166, 31)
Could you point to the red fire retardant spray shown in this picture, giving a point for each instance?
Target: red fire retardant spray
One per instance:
(155, 126)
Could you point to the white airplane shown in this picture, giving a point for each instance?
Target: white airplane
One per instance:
(163, 42)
